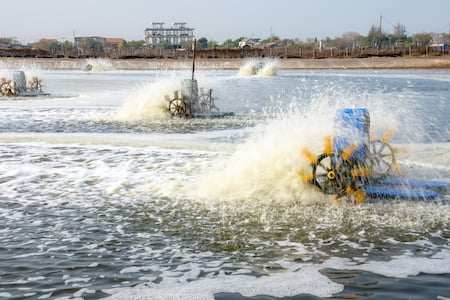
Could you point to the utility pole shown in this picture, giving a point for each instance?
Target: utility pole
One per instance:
(379, 31)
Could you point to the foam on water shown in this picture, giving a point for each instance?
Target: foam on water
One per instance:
(300, 279)
(193, 213)
(102, 175)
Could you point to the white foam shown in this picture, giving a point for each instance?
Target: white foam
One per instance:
(400, 266)
(306, 280)
(5, 295)
(299, 279)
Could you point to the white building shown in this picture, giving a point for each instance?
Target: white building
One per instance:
(174, 36)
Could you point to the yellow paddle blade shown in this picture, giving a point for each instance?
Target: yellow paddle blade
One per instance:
(361, 172)
(348, 190)
(387, 136)
(335, 198)
(328, 141)
(401, 150)
(309, 156)
(305, 177)
(359, 196)
(395, 167)
(348, 151)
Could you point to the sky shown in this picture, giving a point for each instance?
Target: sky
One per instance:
(218, 20)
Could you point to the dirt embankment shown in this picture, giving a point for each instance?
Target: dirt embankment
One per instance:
(231, 64)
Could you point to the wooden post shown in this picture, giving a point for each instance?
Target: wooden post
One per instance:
(194, 46)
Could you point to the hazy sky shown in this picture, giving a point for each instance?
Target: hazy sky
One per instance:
(31, 20)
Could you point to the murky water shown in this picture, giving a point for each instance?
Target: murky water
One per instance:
(103, 195)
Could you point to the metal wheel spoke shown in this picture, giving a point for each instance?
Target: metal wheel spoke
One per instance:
(381, 157)
(331, 177)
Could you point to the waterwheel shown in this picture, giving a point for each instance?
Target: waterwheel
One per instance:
(6, 88)
(35, 85)
(178, 106)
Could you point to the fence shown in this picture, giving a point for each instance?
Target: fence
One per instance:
(222, 53)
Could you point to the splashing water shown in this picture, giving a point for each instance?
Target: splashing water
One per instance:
(249, 68)
(98, 65)
(148, 103)
(269, 68)
(261, 68)
(268, 166)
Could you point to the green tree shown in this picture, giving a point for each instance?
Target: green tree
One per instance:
(375, 38)
(139, 44)
(351, 40)
(67, 45)
(229, 43)
(186, 44)
(212, 44)
(422, 39)
(202, 43)
(8, 40)
(123, 44)
(270, 39)
(49, 45)
(400, 32)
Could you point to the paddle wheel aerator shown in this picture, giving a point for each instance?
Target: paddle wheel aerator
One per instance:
(190, 103)
(356, 166)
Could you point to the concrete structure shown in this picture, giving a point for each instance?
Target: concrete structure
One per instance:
(159, 36)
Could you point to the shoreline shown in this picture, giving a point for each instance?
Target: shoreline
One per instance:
(439, 62)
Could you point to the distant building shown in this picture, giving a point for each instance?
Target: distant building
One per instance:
(439, 47)
(83, 42)
(247, 43)
(158, 36)
(113, 43)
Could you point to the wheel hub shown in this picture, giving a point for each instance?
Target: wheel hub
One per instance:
(331, 175)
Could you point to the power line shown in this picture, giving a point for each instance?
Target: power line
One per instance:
(388, 21)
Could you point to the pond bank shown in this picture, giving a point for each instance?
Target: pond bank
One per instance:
(224, 64)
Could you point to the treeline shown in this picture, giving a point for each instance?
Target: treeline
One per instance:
(350, 44)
